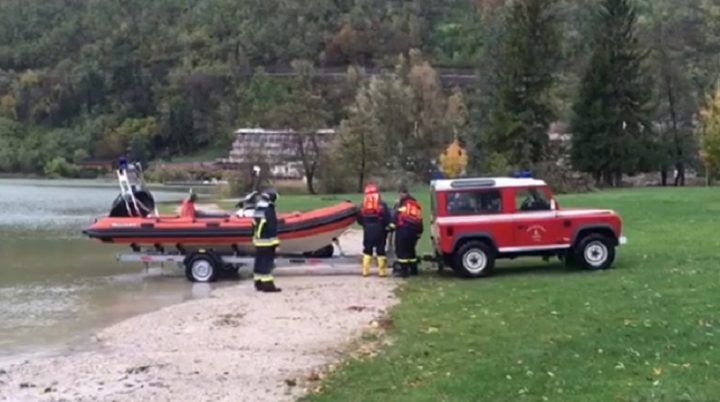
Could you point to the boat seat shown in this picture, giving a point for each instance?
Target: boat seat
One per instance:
(200, 214)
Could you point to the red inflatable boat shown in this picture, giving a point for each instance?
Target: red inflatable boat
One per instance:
(134, 220)
(299, 232)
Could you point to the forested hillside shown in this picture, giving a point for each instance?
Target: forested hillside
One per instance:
(84, 79)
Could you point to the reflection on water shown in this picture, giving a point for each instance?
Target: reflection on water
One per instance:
(56, 287)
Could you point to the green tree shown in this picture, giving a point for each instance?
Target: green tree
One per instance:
(9, 143)
(611, 126)
(671, 35)
(709, 135)
(522, 110)
(305, 111)
(138, 150)
(359, 141)
(116, 142)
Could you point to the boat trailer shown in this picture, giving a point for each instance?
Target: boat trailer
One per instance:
(206, 265)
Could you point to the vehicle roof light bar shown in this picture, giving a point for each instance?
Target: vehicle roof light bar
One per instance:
(472, 183)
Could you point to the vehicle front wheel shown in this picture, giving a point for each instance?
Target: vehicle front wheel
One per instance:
(474, 260)
(595, 252)
(201, 268)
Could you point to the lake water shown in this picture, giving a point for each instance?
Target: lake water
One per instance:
(56, 287)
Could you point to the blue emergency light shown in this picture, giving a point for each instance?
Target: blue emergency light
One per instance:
(523, 174)
(122, 164)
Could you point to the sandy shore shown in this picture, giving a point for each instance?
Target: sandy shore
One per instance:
(236, 345)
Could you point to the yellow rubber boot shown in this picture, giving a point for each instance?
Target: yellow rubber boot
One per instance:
(366, 261)
(382, 266)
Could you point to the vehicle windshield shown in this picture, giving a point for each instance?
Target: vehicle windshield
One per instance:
(531, 199)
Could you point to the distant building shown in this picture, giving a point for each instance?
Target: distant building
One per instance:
(103, 164)
(277, 149)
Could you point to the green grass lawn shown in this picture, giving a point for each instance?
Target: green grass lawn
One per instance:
(647, 330)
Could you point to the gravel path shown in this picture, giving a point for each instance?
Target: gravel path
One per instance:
(236, 345)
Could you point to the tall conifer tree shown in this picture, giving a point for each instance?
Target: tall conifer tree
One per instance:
(522, 110)
(611, 126)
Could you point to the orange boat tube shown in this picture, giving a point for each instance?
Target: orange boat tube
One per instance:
(299, 232)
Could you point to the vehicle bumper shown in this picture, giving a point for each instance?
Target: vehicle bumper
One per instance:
(622, 241)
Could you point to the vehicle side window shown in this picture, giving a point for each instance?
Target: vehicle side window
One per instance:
(474, 202)
(531, 199)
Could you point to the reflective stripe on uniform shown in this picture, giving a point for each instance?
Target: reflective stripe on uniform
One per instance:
(406, 261)
(263, 278)
(258, 230)
(274, 241)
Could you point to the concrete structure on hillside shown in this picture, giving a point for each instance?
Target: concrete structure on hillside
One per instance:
(279, 150)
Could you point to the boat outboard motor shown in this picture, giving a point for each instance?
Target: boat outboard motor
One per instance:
(124, 206)
(246, 206)
(134, 199)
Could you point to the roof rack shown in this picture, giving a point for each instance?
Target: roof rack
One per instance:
(472, 183)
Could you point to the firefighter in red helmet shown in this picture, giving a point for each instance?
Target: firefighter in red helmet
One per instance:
(408, 226)
(375, 218)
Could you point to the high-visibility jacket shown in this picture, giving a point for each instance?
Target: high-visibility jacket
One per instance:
(408, 214)
(374, 211)
(372, 205)
(265, 226)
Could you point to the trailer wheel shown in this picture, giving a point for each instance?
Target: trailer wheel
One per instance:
(201, 267)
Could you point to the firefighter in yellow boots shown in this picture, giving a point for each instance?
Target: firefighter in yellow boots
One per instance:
(375, 218)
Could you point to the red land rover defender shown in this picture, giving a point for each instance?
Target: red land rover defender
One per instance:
(476, 221)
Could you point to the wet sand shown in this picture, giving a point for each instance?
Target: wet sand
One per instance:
(235, 345)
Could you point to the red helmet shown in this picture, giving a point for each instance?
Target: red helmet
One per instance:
(371, 189)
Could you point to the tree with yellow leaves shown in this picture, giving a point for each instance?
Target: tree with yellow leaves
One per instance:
(709, 135)
(453, 160)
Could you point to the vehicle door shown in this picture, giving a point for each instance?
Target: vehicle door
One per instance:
(434, 228)
(535, 220)
(477, 212)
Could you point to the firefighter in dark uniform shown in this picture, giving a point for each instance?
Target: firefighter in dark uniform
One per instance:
(375, 219)
(265, 239)
(408, 227)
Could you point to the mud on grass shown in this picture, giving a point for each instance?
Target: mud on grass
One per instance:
(647, 330)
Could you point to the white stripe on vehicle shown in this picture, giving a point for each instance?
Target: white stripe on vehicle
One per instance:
(448, 220)
(534, 248)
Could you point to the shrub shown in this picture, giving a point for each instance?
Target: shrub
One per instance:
(59, 167)
(335, 180)
(236, 186)
(80, 155)
(562, 179)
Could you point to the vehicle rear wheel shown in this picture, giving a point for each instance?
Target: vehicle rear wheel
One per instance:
(201, 267)
(595, 252)
(474, 260)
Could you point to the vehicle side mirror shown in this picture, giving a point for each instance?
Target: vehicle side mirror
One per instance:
(553, 205)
